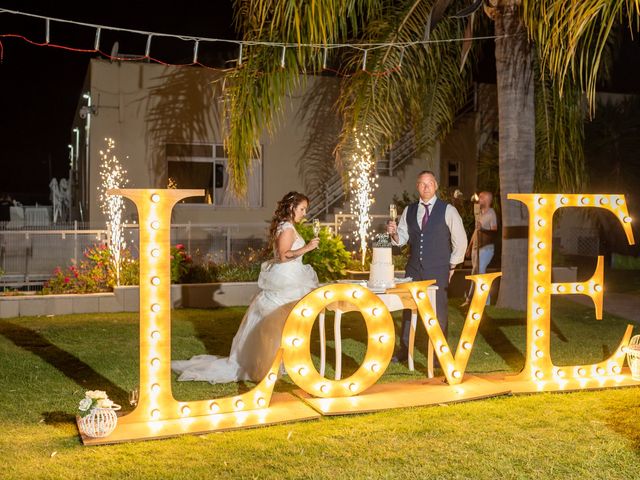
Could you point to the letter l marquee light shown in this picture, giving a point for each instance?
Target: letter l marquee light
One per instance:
(158, 413)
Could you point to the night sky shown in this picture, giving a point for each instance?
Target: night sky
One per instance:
(40, 86)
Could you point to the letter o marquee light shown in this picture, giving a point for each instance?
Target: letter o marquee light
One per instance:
(297, 334)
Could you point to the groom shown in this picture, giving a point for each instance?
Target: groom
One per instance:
(435, 233)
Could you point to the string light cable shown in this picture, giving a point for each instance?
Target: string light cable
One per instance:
(326, 47)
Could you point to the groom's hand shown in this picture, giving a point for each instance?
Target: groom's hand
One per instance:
(392, 228)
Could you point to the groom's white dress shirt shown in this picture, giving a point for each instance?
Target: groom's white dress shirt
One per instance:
(452, 219)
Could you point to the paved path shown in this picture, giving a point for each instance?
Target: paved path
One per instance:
(622, 305)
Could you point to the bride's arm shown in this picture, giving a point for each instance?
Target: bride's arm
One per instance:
(284, 242)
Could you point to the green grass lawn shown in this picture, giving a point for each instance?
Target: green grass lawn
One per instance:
(46, 364)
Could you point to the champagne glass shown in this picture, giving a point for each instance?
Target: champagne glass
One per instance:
(133, 397)
(316, 227)
(393, 215)
(393, 212)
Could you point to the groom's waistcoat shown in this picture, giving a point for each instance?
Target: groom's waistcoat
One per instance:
(430, 247)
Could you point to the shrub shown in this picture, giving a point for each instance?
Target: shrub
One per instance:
(245, 266)
(201, 273)
(93, 274)
(181, 262)
(331, 259)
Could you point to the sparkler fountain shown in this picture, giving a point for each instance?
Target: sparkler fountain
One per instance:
(362, 183)
(113, 176)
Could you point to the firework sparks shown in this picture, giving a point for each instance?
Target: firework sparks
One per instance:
(362, 183)
(113, 176)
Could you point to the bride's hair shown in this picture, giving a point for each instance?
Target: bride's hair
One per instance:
(284, 213)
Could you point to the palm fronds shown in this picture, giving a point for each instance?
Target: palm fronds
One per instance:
(559, 136)
(254, 92)
(422, 87)
(572, 36)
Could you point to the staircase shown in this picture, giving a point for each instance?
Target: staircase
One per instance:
(332, 191)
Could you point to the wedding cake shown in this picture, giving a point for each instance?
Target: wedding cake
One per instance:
(381, 269)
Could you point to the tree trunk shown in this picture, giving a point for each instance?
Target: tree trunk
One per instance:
(516, 115)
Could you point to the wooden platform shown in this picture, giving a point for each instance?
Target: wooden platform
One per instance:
(284, 408)
(414, 393)
(560, 385)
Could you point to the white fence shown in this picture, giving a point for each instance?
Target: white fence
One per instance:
(28, 257)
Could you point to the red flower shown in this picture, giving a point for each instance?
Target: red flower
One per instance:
(180, 246)
(66, 280)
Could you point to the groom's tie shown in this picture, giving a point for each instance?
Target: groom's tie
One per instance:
(425, 218)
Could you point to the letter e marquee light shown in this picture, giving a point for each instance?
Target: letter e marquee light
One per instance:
(539, 368)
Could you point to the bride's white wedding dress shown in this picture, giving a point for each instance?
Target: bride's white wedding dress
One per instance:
(258, 338)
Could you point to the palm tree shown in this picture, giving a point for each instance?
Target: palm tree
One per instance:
(422, 86)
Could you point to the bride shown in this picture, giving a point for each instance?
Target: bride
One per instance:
(283, 281)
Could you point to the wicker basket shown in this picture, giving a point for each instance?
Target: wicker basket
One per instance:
(100, 422)
(633, 357)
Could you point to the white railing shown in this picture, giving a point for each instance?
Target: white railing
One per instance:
(29, 257)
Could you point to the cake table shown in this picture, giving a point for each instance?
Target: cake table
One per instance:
(394, 299)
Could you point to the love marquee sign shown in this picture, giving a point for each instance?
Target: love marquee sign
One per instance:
(159, 415)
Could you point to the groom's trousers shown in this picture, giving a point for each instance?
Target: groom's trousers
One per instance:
(441, 276)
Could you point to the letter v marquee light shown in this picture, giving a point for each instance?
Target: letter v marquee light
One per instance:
(453, 366)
